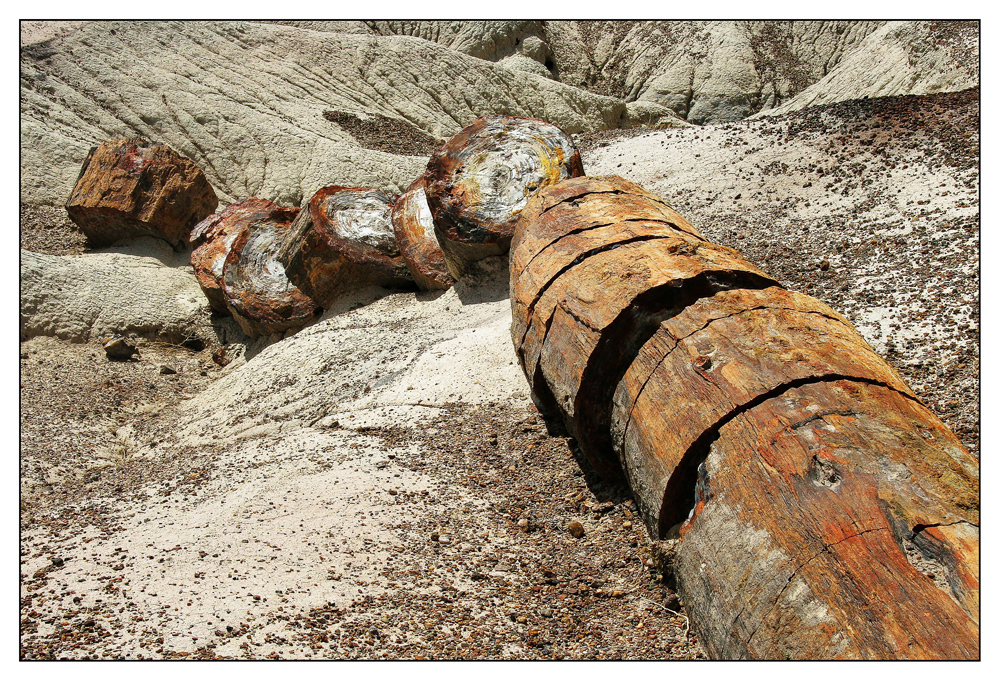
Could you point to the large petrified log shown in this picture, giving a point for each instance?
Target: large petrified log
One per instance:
(342, 240)
(479, 181)
(413, 226)
(258, 293)
(815, 508)
(213, 238)
(129, 187)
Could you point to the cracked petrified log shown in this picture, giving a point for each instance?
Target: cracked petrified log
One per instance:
(130, 187)
(258, 293)
(479, 181)
(413, 226)
(213, 238)
(343, 240)
(814, 507)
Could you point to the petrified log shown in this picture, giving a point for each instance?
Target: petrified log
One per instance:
(413, 226)
(815, 507)
(258, 293)
(342, 240)
(479, 181)
(130, 187)
(213, 238)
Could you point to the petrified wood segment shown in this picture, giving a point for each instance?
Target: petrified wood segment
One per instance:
(213, 237)
(479, 181)
(816, 508)
(130, 187)
(413, 226)
(817, 531)
(342, 240)
(714, 358)
(258, 293)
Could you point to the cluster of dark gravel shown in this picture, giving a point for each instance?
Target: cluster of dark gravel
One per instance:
(48, 229)
(526, 588)
(383, 133)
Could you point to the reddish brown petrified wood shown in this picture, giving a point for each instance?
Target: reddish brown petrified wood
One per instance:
(479, 181)
(414, 229)
(130, 187)
(258, 293)
(214, 236)
(343, 240)
(812, 506)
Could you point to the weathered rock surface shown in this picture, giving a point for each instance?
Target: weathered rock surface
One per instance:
(413, 225)
(245, 101)
(98, 295)
(713, 71)
(130, 187)
(901, 58)
(257, 290)
(342, 240)
(480, 180)
(213, 238)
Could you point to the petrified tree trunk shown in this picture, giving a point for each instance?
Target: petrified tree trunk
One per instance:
(481, 179)
(258, 293)
(343, 240)
(817, 509)
(414, 229)
(129, 188)
(213, 238)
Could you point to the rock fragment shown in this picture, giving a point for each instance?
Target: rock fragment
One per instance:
(413, 226)
(343, 240)
(479, 181)
(131, 187)
(118, 349)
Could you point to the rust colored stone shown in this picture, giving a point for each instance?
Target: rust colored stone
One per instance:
(813, 507)
(213, 237)
(258, 293)
(130, 187)
(481, 179)
(829, 526)
(413, 226)
(343, 240)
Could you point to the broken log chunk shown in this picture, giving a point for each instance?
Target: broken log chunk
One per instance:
(479, 181)
(807, 541)
(715, 357)
(814, 507)
(258, 293)
(413, 226)
(129, 188)
(213, 238)
(343, 240)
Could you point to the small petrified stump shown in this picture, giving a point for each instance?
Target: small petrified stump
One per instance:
(258, 293)
(343, 240)
(214, 237)
(815, 508)
(413, 226)
(481, 179)
(130, 187)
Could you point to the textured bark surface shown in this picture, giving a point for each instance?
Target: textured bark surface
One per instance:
(258, 292)
(342, 240)
(213, 238)
(129, 188)
(479, 181)
(413, 226)
(838, 520)
(816, 508)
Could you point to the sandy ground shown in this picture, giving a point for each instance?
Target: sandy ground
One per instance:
(379, 486)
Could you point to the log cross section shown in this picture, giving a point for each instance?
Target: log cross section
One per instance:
(816, 507)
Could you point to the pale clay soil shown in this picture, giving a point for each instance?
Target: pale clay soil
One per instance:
(425, 515)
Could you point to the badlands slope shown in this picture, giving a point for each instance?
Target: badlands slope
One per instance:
(356, 490)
